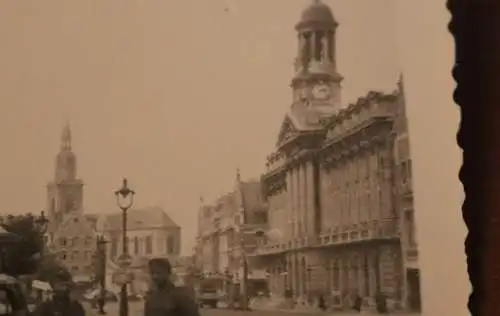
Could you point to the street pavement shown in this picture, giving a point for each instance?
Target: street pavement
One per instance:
(135, 309)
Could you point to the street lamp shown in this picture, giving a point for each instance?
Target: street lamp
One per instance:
(42, 223)
(124, 200)
(101, 251)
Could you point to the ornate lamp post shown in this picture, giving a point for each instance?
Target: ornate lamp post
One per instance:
(42, 222)
(101, 252)
(124, 199)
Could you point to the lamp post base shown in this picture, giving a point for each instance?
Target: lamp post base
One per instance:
(124, 301)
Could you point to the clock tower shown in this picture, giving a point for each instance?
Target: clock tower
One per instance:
(316, 82)
(65, 192)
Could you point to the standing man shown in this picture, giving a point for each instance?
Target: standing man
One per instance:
(163, 297)
(61, 303)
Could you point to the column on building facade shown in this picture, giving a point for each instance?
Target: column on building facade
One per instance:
(329, 206)
(310, 209)
(399, 277)
(303, 198)
(278, 288)
(298, 198)
(313, 45)
(384, 183)
(350, 280)
(335, 274)
(288, 269)
(364, 279)
(373, 270)
(302, 276)
(342, 275)
(374, 203)
(345, 275)
(293, 207)
(295, 202)
(330, 195)
(387, 270)
(274, 279)
(293, 274)
(289, 209)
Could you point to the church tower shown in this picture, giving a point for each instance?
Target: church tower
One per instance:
(316, 81)
(65, 192)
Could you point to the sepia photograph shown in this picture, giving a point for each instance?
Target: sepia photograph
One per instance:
(229, 158)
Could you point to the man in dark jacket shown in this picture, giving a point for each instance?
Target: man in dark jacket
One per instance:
(61, 303)
(163, 298)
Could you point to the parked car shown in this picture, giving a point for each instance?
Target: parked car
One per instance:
(12, 297)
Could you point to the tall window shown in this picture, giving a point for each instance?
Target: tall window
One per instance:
(403, 172)
(148, 245)
(136, 245)
(410, 226)
(409, 171)
(63, 241)
(170, 244)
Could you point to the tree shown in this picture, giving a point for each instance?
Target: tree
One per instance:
(29, 255)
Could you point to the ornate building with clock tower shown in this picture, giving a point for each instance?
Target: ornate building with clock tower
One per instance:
(337, 186)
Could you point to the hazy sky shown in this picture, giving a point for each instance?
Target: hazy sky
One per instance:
(173, 94)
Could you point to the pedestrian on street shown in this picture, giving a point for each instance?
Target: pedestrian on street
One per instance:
(163, 297)
(381, 302)
(321, 302)
(358, 302)
(61, 303)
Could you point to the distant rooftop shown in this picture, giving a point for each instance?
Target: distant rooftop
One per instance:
(143, 218)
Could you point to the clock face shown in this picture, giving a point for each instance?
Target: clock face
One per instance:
(321, 91)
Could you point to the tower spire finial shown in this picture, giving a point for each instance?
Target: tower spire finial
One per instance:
(238, 175)
(66, 137)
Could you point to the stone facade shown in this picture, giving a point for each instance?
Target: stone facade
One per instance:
(227, 229)
(338, 185)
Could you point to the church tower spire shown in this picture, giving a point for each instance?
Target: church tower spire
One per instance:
(65, 192)
(66, 159)
(66, 138)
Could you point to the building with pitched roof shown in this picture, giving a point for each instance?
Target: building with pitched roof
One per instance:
(151, 233)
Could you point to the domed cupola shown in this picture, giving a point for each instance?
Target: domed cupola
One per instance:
(316, 77)
(317, 15)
